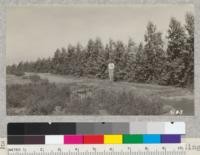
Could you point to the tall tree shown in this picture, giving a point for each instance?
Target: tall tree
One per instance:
(80, 54)
(130, 58)
(140, 64)
(120, 60)
(153, 53)
(63, 61)
(175, 65)
(189, 55)
(71, 59)
(102, 59)
(91, 56)
(56, 61)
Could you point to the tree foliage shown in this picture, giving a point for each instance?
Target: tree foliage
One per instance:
(179, 67)
(151, 61)
(153, 53)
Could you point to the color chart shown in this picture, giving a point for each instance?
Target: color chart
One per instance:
(95, 133)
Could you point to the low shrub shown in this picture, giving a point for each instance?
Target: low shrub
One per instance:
(42, 98)
(34, 78)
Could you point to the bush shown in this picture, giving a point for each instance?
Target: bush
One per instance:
(128, 103)
(34, 78)
(42, 98)
(39, 98)
(19, 73)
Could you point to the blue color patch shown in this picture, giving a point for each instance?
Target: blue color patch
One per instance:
(151, 138)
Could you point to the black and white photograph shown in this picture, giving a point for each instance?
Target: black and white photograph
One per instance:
(100, 60)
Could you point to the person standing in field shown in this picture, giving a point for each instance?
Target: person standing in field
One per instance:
(111, 67)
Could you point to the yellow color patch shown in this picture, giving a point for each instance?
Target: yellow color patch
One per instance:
(112, 139)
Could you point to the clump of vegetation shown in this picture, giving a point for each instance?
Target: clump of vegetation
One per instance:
(19, 73)
(37, 98)
(127, 103)
(44, 98)
(34, 78)
(15, 72)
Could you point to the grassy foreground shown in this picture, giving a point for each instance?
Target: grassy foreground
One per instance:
(56, 95)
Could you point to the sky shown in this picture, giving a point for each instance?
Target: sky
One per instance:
(36, 32)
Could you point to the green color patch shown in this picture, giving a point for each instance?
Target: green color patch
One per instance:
(132, 139)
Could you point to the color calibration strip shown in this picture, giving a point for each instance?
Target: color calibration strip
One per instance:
(95, 133)
(96, 128)
(94, 139)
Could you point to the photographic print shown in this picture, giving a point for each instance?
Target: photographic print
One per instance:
(100, 60)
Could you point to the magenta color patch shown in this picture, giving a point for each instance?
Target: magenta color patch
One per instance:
(73, 139)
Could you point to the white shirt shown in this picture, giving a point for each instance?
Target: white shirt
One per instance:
(111, 66)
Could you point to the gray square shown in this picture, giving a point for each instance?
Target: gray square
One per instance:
(120, 128)
(84, 128)
(102, 128)
(138, 128)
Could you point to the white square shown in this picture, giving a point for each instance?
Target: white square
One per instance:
(54, 139)
(155, 128)
(175, 128)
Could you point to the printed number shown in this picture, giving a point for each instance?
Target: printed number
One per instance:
(176, 112)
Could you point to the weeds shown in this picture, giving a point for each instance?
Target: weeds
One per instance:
(44, 98)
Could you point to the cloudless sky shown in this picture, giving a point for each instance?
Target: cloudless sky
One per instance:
(34, 32)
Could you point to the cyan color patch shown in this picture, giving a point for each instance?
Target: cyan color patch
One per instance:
(151, 138)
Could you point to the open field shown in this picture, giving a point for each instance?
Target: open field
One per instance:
(66, 95)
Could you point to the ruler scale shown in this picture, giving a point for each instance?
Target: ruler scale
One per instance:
(138, 149)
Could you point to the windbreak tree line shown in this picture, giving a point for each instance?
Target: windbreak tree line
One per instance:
(153, 61)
